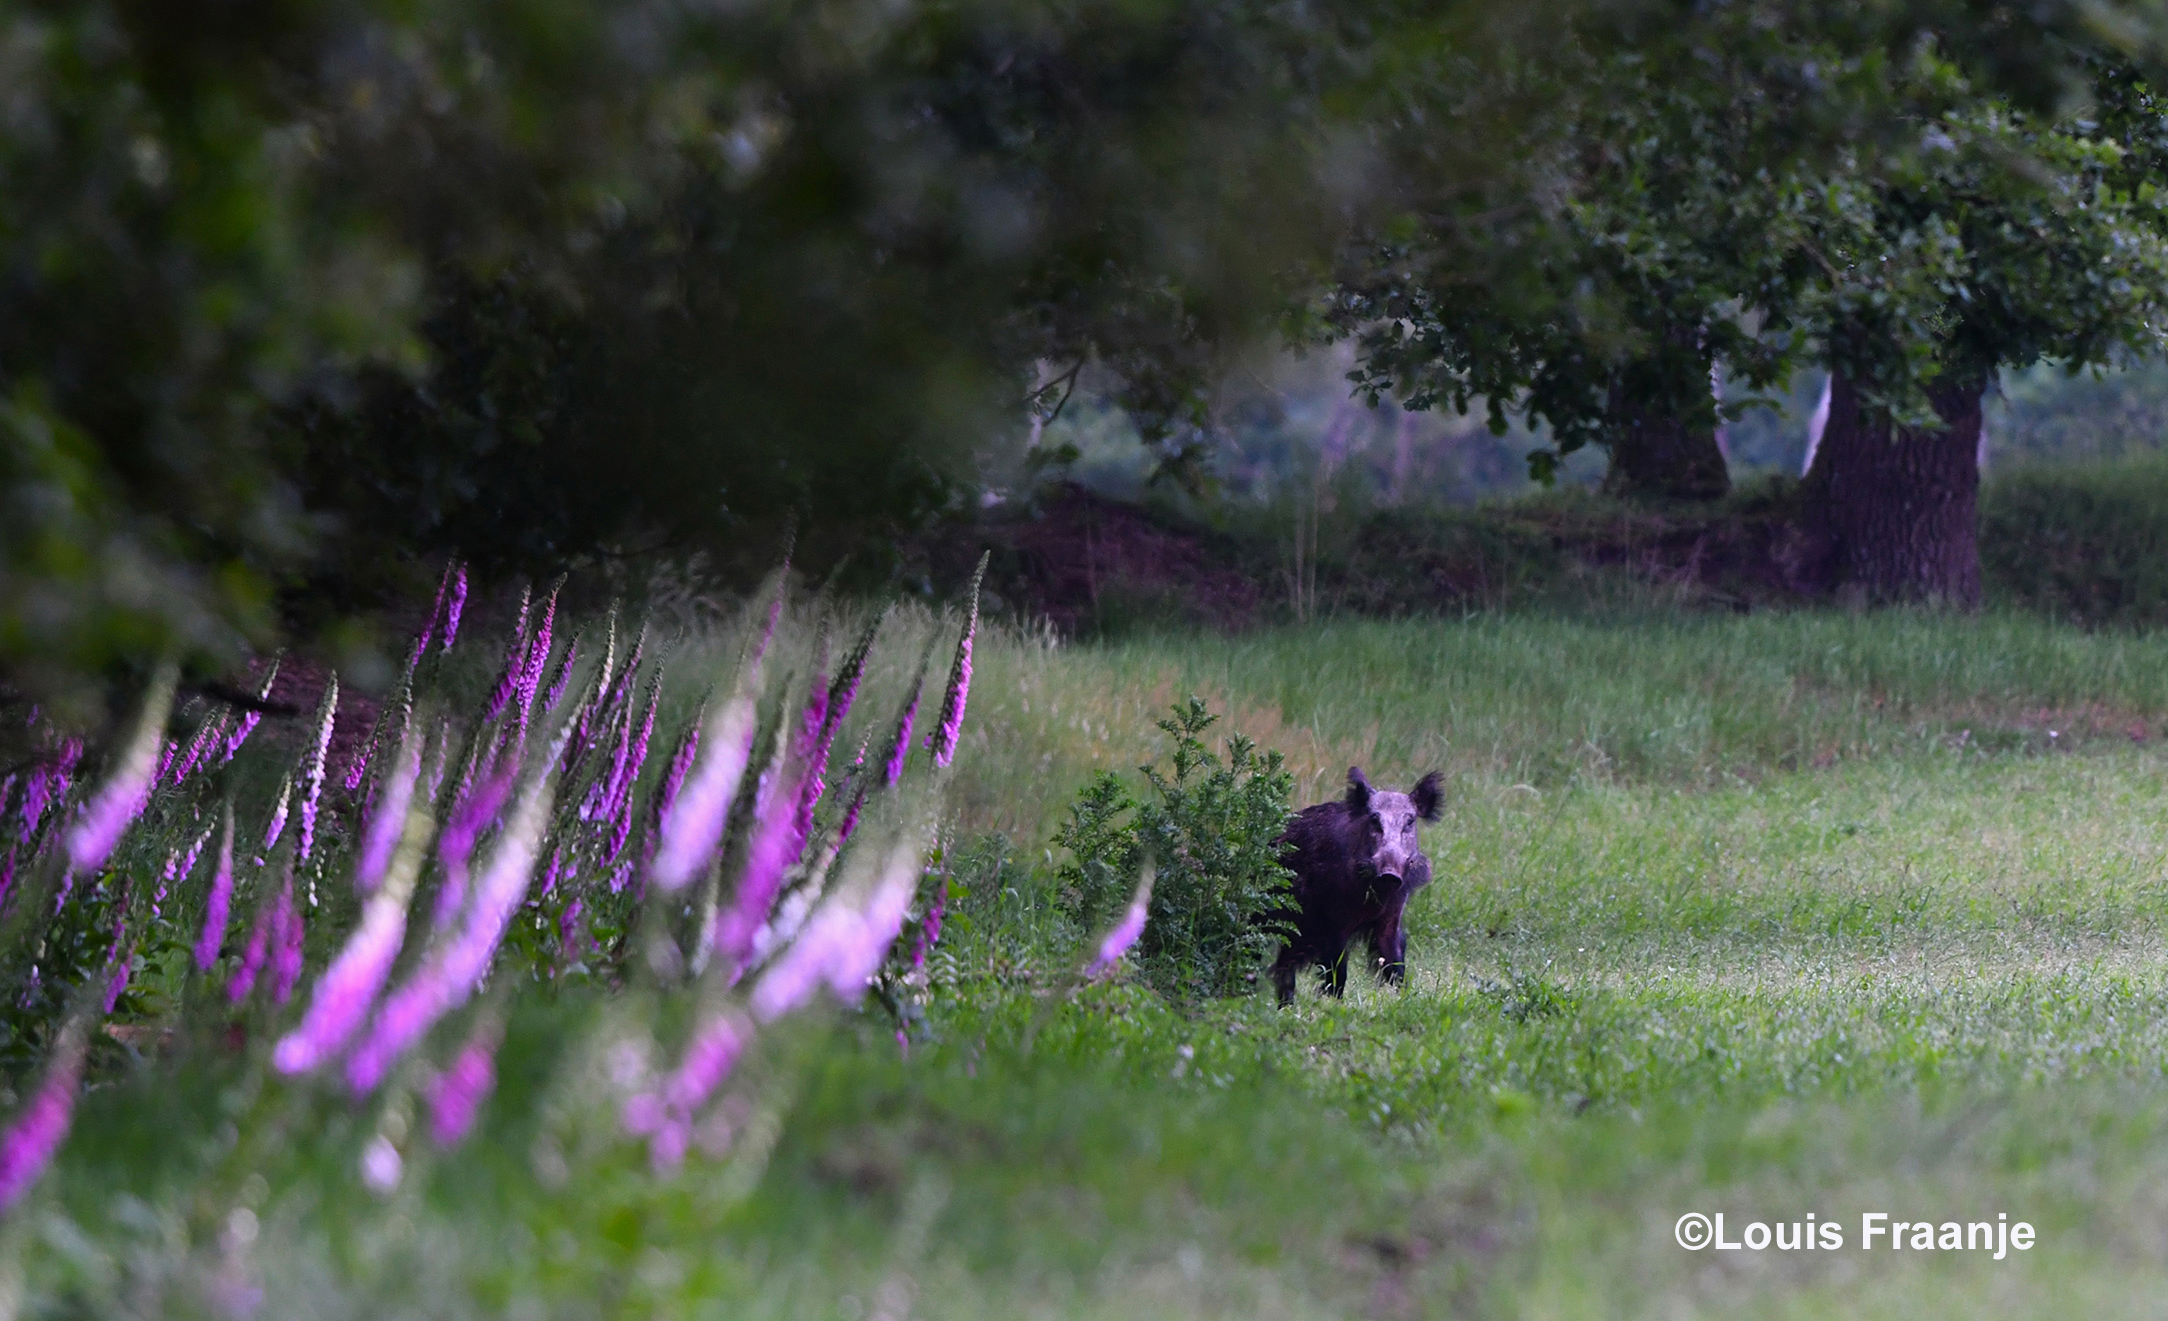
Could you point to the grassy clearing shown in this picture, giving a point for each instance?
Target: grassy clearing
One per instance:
(1759, 915)
(1501, 700)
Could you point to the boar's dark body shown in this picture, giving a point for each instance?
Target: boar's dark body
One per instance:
(1356, 861)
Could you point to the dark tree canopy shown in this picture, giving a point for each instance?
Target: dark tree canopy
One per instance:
(295, 294)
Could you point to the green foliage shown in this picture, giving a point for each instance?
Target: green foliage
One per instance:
(2086, 543)
(1210, 836)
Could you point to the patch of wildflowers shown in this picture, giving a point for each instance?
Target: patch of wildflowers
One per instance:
(449, 972)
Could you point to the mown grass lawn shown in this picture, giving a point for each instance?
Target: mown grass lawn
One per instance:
(1762, 916)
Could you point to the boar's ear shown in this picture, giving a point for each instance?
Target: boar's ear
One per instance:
(1358, 792)
(1429, 794)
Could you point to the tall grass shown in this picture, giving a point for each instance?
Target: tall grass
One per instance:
(1547, 700)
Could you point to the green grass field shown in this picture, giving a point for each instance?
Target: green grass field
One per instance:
(1759, 915)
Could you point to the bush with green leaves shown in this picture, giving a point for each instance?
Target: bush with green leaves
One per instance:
(1211, 834)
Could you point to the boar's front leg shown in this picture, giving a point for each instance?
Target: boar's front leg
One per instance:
(1389, 946)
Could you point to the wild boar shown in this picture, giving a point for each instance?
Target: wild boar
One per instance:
(1356, 860)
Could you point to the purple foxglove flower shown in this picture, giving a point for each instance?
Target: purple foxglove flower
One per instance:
(209, 733)
(38, 794)
(637, 760)
(515, 662)
(457, 606)
(842, 944)
(568, 927)
(448, 974)
(814, 737)
(850, 817)
(620, 831)
(619, 877)
(564, 675)
(554, 872)
(674, 775)
(387, 818)
(116, 983)
(187, 866)
(179, 867)
(458, 1092)
(929, 931)
(312, 775)
(357, 767)
(278, 814)
(959, 684)
(122, 797)
(667, 1115)
(7, 874)
(456, 846)
(165, 761)
(603, 791)
(892, 769)
(538, 655)
(349, 986)
(217, 902)
(436, 612)
(250, 719)
(775, 845)
(42, 1125)
(857, 960)
(692, 829)
(286, 945)
(259, 939)
(1125, 932)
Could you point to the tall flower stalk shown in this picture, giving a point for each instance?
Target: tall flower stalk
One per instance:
(388, 819)
(312, 773)
(515, 662)
(269, 924)
(455, 608)
(286, 944)
(692, 830)
(121, 799)
(218, 900)
(41, 1126)
(251, 719)
(959, 685)
(456, 1094)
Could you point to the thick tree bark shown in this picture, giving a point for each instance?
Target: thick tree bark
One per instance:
(1901, 512)
(1663, 428)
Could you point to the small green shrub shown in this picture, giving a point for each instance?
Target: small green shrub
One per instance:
(1211, 833)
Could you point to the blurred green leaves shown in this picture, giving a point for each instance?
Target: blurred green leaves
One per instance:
(293, 292)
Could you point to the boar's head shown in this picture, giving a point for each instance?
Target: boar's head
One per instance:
(1384, 821)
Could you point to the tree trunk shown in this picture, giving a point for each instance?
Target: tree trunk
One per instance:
(1901, 512)
(1663, 427)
